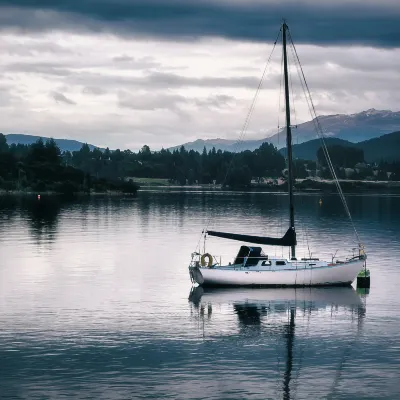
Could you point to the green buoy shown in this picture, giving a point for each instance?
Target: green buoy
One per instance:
(363, 279)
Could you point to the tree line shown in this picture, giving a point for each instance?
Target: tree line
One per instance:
(41, 167)
(349, 162)
(181, 166)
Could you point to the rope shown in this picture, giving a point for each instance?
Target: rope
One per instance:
(280, 227)
(279, 98)
(292, 98)
(244, 127)
(320, 133)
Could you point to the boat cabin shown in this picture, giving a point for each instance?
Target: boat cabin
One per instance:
(249, 256)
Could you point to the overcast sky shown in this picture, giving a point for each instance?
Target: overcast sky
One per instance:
(124, 73)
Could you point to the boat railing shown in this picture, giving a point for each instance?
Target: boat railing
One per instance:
(355, 253)
(206, 259)
(199, 260)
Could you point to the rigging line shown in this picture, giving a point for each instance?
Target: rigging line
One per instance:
(302, 227)
(280, 230)
(324, 148)
(321, 135)
(251, 110)
(280, 95)
(326, 153)
(292, 98)
(308, 244)
(245, 125)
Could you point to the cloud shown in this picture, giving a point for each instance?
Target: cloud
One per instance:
(150, 101)
(30, 48)
(164, 79)
(7, 97)
(44, 68)
(61, 98)
(363, 22)
(160, 91)
(218, 101)
(173, 102)
(93, 90)
(127, 61)
(123, 59)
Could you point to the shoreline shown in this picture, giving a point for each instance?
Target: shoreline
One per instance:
(301, 186)
(57, 194)
(306, 186)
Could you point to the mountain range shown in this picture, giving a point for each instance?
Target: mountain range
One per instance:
(385, 147)
(63, 144)
(354, 128)
(376, 132)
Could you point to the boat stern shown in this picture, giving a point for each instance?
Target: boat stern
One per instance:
(195, 274)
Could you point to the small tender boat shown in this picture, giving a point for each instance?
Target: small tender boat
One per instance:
(252, 267)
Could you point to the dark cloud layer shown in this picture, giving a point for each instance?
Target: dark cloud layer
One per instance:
(61, 98)
(311, 21)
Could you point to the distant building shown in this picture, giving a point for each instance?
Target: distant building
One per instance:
(360, 167)
(349, 172)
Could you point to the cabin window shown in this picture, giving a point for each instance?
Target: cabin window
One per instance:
(280, 263)
(266, 263)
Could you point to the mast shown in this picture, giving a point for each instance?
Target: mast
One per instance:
(288, 134)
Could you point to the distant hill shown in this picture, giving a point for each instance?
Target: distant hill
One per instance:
(221, 144)
(63, 144)
(354, 128)
(385, 147)
(308, 150)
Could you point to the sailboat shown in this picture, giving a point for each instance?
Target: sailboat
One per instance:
(253, 267)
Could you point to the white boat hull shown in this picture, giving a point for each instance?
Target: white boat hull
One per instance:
(296, 274)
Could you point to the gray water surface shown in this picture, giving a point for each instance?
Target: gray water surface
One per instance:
(96, 301)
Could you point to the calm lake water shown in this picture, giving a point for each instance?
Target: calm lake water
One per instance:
(96, 301)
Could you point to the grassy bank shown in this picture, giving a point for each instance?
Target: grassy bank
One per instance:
(302, 185)
(349, 186)
(31, 193)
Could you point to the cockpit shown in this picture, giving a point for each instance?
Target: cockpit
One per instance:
(249, 256)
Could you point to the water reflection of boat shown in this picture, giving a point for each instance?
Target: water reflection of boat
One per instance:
(340, 296)
(253, 307)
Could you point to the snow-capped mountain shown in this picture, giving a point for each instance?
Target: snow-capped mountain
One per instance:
(355, 128)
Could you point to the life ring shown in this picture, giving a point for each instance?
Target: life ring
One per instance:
(203, 260)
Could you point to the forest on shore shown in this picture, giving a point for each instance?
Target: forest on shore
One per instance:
(43, 167)
(183, 167)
